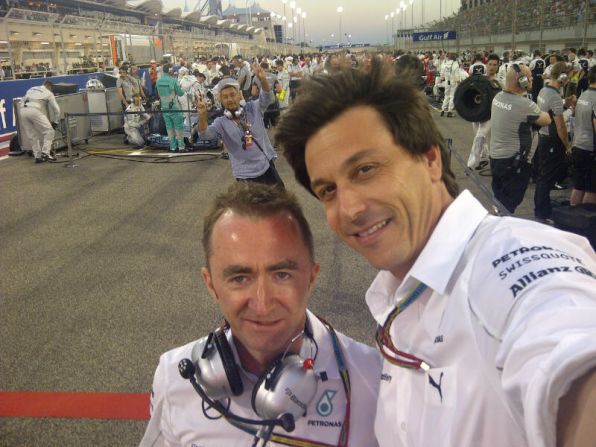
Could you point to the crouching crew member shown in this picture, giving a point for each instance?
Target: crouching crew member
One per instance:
(36, 124)
(272, 359)
(134, 123)
(243, 130)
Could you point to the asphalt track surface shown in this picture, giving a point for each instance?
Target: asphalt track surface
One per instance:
(100, 274)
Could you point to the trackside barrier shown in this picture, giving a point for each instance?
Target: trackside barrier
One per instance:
(497, 207)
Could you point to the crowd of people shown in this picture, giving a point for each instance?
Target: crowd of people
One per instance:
(496, 16)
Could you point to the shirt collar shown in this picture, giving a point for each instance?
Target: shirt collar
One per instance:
(437, 261)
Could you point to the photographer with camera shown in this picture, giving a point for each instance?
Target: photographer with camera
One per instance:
(243, 130)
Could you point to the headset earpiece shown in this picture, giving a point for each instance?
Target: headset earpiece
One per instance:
(562, 78)
(522, 79)
(239, 113)
(217, 371)
(285, 387)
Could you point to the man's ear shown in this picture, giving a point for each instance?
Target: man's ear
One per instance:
(434, 163)
(208, 281)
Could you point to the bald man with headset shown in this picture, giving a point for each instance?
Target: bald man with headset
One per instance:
(273, 372)
(512, 118)
(243, 130)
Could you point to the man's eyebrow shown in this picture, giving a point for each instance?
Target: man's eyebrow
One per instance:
(235, 269)
(286, 264)
(353, 159)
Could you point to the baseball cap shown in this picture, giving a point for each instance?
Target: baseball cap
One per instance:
(226, 82)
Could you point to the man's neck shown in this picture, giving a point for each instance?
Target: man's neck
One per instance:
(257, 362)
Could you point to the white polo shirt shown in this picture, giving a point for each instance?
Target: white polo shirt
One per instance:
(178, 420)
(507, 322)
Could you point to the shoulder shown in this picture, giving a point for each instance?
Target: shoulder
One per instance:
(516, 261)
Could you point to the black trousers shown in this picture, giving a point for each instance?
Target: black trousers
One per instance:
(510, 181)
(550, 156)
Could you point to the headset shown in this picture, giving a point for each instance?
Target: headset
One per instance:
(239, 113)
(522, 79)
(280, 396)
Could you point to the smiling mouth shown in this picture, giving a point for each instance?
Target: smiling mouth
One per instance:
(372, 230)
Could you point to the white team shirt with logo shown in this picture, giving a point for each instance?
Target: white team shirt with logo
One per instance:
(178, 420)
(495, 325)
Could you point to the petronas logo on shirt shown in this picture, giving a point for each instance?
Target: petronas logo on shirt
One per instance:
(325, 405)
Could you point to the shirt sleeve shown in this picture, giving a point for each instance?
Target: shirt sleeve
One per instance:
(54, 108)
(213, 131)
(154, 433)
(265, 99)
(557, 105)
(533, 111)
(540, 312)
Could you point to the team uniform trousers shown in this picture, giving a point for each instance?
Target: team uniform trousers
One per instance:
(510, 178)
(479, 149)
(38, 128)
(506, 324)
(178, 420)
(550, 157)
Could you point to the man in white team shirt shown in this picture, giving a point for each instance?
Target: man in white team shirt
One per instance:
(260, 270)
(486, 323)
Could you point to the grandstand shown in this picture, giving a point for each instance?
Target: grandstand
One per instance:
(68, 36)
(515, 24)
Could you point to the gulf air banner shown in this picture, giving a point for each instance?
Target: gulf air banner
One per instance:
(432, 36)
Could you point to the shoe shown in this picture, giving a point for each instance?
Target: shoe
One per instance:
(48, 157)
(442, 113)
(125, 141)
(450, 115)
(559, 187)
(481, 165)
(174, 149)
(182, 149)
(224, 155)
(39, 160)
(546, 221)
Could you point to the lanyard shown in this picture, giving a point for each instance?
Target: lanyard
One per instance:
(292, 441)
(383, 336)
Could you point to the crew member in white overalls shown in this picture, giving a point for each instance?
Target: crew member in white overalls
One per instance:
(35, 122)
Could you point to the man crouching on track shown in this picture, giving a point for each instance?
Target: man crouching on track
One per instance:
(272, 370)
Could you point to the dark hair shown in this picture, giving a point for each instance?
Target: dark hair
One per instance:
(255, 200)
(493, 57)
(166, 68)
(592, 75)
(404, 109)
(409, 68)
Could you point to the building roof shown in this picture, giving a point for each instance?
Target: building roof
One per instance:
(148, 6)
(234, 11)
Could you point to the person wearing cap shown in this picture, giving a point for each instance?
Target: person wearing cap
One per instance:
(243, 130)
(169, 90)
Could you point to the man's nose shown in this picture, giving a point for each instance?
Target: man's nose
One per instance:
(263, 297)
(350, 204)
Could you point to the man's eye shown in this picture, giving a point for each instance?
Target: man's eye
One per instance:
(282, 275)
(239, 279)
(365, 169)
(325, 192)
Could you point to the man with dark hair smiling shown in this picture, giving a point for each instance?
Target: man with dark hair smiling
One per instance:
(486, 324)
